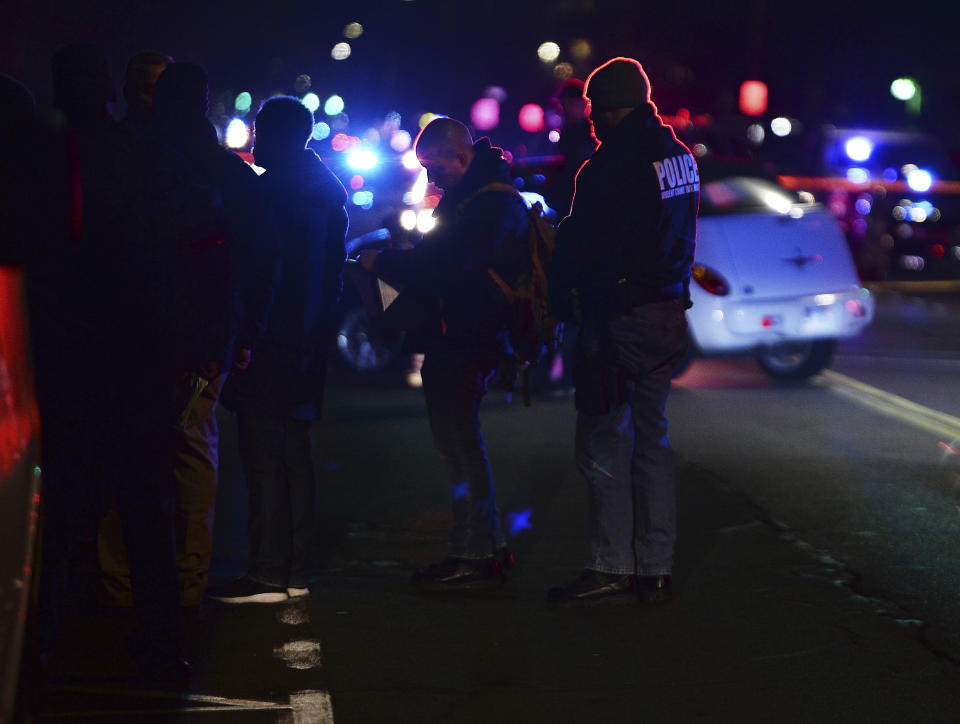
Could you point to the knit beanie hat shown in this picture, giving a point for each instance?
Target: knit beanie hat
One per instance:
(618, 83)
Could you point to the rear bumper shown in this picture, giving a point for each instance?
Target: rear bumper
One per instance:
(718, 324)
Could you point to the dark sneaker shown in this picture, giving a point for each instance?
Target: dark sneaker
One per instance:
(465, 572)
(593, 586)
(245, 590)
(654, 589)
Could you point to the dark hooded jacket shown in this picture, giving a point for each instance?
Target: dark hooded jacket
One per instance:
(449, 268)
(630, 235)
(230, 280)
(308, 221)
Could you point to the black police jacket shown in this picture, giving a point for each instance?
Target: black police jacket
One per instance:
(632, 227)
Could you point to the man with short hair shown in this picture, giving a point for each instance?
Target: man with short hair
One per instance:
(626, 251)
(280, 394)
(143, 70)
(465, 333)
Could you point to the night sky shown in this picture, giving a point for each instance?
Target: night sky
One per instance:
(823, 61)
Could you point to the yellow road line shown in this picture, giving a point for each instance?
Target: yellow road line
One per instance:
(894, 406)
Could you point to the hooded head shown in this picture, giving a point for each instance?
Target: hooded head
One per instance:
(614, 90)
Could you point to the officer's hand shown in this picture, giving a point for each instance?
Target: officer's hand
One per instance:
(368, 259)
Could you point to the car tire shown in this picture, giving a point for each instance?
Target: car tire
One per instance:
(359, 348)
(796, 360)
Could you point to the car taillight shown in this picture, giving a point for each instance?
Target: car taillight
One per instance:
(710, 280)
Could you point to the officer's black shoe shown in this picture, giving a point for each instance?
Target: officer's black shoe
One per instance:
(465, 572)
(654, 589)
(595, 587)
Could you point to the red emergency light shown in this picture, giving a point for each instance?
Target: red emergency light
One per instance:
(753, 98)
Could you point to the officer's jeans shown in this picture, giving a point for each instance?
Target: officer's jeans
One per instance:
(625, 454)
(453, 387)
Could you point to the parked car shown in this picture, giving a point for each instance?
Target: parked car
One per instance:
(773, 275)
(19, 484)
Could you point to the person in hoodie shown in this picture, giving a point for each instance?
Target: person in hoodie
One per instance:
(281, 392)
(626, 250)
(224, 306)
(477, 229)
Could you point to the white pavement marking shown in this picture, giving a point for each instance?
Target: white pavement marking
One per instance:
(305, 654)
(886, 403)
(307, 707)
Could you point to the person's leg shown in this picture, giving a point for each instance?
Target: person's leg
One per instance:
(654, 490)
(268, 526)
(603, 447)
(453, 389)
(302, 486)
(195, 472)
(142, 476)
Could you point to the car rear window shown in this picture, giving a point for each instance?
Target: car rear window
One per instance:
(737, 194)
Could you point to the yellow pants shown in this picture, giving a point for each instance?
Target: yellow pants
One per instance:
(195, 475)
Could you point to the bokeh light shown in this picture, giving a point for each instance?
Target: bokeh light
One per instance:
(554, 136)
(238, 134)
(781, 126)
(755, 133)
(311, 101)
(531, 118)
(400, 141)
(408, 219)
(425, 221)
(580, 49)
(333, 105)
(562, 71)
(485, 114)
(426, 118)
(363, 199)
(753, 98)
(340, 51)
(356, 182)
(302, 83)
(858, 175)
(353, 31)
(362, 159)
(496, 92)
(919, 180)
(243, 102)
(903, 89)
(410, 161)
(858, 148)
(548, 52)
(320, 131)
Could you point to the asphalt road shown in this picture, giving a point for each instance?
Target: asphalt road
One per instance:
(816, 570)
(862, 463)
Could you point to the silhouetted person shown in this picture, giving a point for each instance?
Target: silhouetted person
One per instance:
(576, 143)
(143, 70)
(207, 334)
(281, 392)
(627, 249)
(465, 335)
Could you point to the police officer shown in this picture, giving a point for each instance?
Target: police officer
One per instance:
(622, 268)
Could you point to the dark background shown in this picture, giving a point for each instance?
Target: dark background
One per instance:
(823, 61)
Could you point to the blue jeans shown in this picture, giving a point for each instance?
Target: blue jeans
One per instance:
(622, 447)
(278, 465)
(453, 387)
